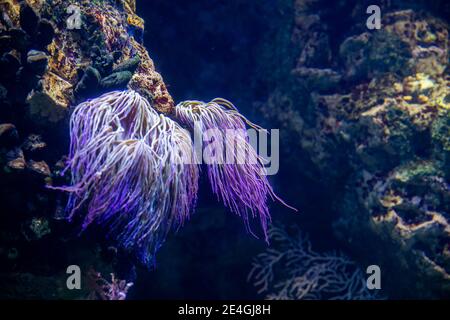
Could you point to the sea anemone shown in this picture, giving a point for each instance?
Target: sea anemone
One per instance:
(134, 171)
(240, 180)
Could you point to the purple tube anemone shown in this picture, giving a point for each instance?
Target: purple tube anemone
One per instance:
(135, 172)
(240, 181)
(132, 171)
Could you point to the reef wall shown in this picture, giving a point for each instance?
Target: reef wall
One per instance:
(53, 55)
(364, 118)
(369, 111)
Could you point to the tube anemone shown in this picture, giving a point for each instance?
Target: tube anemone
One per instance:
(241, 185)
(132, 171)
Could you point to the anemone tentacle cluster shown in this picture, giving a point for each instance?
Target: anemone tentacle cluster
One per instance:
(133, 169)
(241, 185)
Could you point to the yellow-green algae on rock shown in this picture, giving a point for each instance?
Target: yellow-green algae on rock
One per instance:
(111, 28)
(371, 121)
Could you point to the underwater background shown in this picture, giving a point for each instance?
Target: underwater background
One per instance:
(364, 120)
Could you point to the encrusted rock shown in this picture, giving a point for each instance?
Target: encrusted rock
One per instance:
(45, 70)
(128, 65)
(367, 55)
(51, 102)
(381, 137)
(8, 135)
(20, 40)
(12, 9)
(318, 79)
(15, 159)
(111, 44)
(426, 36)
(37, 60)
(33, 145)
(39, 167)
(88, 83)
(36, 229)
(10, 64)
(150, 83)
(5, 43)
(45, 32)
(28, 18)
(116, 81)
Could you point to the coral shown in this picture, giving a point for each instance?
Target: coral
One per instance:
(15, 159)
(12, 10)
(50, 104)
(36, 229)
(367, 55)
(407, 43)
(319, 79)
(39, 167)
(46, 70)
(291, 270)
(148, 82)
(377, 143)
(116, 81)
(427, 39)
(396, 116)
(408, 216)
(113, 41)
(102, 289)
(37, 61)
(440, 133)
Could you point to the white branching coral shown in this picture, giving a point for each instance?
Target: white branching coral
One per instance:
(304, 273)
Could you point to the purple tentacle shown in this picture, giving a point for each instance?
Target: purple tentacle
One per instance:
(240, 182)
(132, 171)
